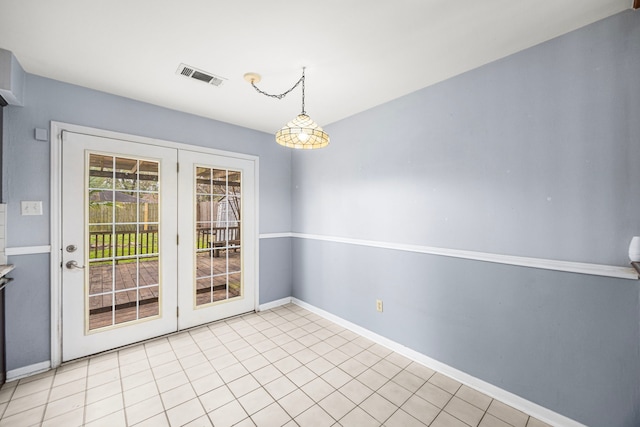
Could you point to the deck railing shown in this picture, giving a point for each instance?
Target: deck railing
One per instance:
(105, 244)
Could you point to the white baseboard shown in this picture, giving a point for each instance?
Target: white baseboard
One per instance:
(274, 304)
(25, 371)
(541, 413)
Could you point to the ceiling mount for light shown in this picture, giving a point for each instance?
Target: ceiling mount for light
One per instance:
(301, 132)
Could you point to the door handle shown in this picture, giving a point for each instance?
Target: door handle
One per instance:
(73, 264)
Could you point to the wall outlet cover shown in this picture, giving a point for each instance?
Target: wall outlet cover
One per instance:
(30, 207)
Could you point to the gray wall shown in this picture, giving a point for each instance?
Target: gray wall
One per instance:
(534, 155)
(26, 177)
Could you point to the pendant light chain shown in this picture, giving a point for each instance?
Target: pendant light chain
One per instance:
(302, 78)
(282, 95)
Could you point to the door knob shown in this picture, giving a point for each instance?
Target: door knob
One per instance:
(73, 264)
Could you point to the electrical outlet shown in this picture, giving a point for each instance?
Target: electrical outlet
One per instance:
(379, 305)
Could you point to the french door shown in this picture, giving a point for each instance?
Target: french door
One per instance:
(147, 250)
(216, 242)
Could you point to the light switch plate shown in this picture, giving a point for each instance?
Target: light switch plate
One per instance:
(30, 207)
(41, 135)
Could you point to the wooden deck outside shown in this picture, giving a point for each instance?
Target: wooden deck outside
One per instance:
(101, 307)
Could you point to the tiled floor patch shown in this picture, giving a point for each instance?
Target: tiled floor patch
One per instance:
(281, 367)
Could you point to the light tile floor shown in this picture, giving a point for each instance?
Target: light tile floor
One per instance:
(281, 367)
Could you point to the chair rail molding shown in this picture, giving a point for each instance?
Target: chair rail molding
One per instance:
(540, 263)
(28, 250)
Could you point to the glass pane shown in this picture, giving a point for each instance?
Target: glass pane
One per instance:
(220, 288)
(235, 285)
(148, 239)
(219, 265)
(126, 274)
(148, 176)
(234, 210)
(234, 182)
(233, 235)
(204, 264)
(100, 241)
(126, 174)
(101, 206)
(234, 260)
(100, 171)
(148, 271)
(204, 297)
(149, 302)
(219, 208)
(124, 240)
(100, 311)
(203, 291)
(100, 277)
(203, 235)
(203, 181)
(204, 208)
(148, 207)
(219, 181)
(126, 306)
(126, 206)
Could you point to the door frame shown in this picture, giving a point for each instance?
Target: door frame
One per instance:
(57, 128)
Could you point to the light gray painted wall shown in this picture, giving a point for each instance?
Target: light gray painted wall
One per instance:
(275, 268)
(533, 155)
(26, 177)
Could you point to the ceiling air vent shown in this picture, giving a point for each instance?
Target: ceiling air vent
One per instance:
(203, 76)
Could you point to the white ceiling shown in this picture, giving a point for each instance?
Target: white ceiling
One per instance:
(358, 53)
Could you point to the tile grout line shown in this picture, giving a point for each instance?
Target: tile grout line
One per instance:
(124, 410)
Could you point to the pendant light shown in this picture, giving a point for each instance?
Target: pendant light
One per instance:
(301, 132)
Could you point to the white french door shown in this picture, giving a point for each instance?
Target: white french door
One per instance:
(117, 287)
(217, 242)
(147, 250)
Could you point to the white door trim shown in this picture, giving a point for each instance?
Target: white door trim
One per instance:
(56, 213)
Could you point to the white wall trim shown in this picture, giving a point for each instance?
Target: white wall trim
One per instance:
(275, 235)
(274, 304)
(55, 211)
(530, 408)
(546, 264)
(28, 250)
(26, 371)
(256, 225)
